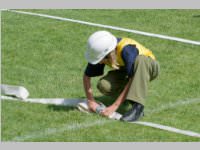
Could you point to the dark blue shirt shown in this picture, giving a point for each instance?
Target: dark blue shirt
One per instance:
(129, 54)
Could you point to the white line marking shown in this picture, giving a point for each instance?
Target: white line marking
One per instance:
(75, 101)
(66, 127)
(111, 27)
(168, 128)
(53, 101)
(172, 105)
(158, 126)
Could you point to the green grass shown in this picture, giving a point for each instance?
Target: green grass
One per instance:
(47, 57)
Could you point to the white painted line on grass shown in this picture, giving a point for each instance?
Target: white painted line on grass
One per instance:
(75, 126)
(58, 130)
(53, 101)
(75, 101)
(173, 105)
(168, 128)
(111, 27)
(150, 124)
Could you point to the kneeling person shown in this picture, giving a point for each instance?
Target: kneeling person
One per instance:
(133, 66)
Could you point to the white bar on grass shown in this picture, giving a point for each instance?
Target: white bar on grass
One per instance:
(168, 128)
(82, 103)
(17, 91)
(54, 101)
(111, 27)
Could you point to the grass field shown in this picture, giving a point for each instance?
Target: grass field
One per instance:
(47, 57)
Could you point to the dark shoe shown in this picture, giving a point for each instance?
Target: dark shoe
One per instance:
(134, 113)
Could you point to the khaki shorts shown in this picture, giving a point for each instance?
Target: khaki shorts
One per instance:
(145, 70)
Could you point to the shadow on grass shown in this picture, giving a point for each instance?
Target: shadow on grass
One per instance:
(64, 107)
(60, 108)
(106, 100)
(196, 16)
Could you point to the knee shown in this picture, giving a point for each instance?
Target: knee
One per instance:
(104, 87)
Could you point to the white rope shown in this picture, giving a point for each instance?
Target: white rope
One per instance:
(111, 27)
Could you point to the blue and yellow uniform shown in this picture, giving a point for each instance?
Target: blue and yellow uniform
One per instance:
(135, 61)
(127, 50)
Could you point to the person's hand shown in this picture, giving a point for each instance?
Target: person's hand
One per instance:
(109, 110)
(92, 105)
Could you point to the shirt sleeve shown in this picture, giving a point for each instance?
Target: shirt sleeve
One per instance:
(94, 70)
(129, 55)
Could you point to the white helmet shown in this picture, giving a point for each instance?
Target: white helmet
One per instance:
(99, 45)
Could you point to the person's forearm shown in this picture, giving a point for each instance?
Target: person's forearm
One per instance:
(121, 98)
(109, 110)
(88, 91)
(87, 87)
